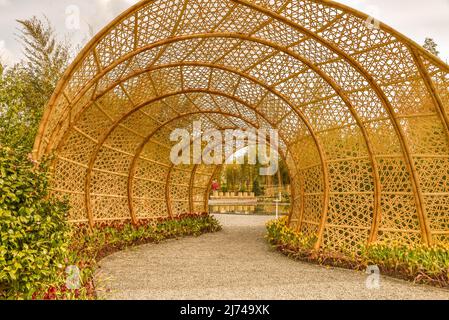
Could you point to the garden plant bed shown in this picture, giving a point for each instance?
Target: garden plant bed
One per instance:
(419, 264)
(89, 246)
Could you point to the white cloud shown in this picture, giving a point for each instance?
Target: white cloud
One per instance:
(4, 3)
(414, 18)
(6, 56)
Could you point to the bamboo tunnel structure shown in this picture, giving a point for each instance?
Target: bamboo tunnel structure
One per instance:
(362, 113)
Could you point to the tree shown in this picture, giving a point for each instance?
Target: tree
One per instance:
(256, 188)
(26, 87)
(17, 120)
(46, 57)
(431, 46)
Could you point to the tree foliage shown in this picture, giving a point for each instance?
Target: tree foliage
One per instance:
(431, 46)
(26, 87)
(246, 177)
(46, 57)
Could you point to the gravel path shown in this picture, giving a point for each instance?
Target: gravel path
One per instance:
(236, 263)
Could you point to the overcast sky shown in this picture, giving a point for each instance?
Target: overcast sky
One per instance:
(416, 19)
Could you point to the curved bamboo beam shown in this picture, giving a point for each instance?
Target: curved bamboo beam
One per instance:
(386, 28)
(90, 47)
(340, 92)
(158, 44)
(168, 201)
(209, 187)
(191, 186)
(432, 91)
(218, 167)
(352, 110)
(118, 124)
(265, 86)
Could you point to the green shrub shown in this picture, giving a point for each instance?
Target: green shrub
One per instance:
(280, 234)
(34, 235)
(256, 188)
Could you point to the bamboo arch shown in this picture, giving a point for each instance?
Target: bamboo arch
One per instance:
(362, 114)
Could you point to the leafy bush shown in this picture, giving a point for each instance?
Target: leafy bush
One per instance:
(418, 263)
(37, 243)
(256, 188)
(33, 230)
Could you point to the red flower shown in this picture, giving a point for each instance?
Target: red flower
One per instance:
(215, 186)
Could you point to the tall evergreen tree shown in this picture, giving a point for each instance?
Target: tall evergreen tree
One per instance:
(26, 87)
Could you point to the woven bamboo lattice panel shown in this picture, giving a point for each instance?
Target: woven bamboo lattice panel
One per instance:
(362, 114)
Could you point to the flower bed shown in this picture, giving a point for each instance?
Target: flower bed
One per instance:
(419, 263)
(88, 246)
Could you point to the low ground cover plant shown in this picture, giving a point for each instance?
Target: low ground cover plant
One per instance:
(418, 263)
